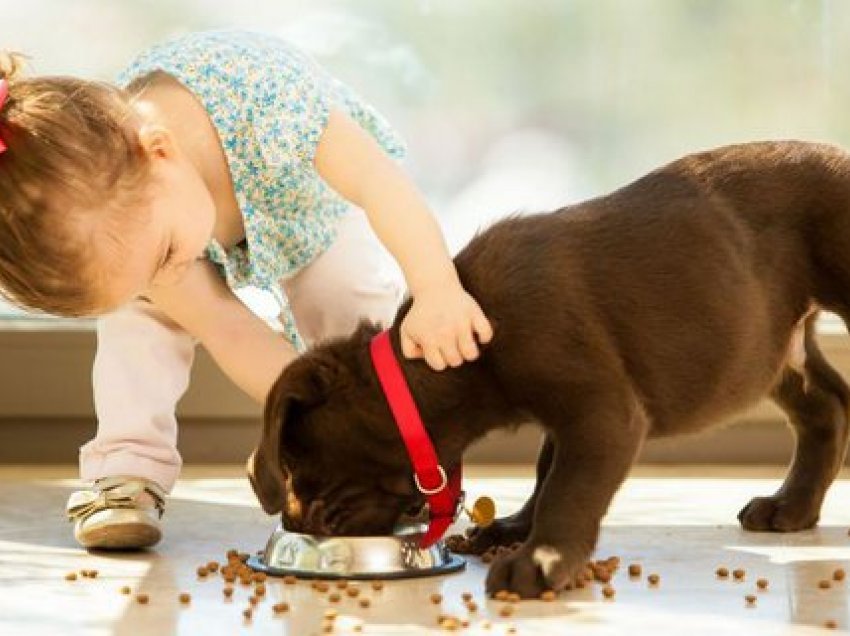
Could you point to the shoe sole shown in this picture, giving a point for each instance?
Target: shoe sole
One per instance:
(125, 536)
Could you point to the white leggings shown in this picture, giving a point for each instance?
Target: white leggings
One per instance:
(143, 359)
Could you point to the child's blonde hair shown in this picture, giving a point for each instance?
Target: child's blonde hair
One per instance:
(71, 150)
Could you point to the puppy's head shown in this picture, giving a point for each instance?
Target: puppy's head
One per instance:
(330, 457)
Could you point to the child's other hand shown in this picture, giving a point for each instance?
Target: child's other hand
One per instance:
(441, 327)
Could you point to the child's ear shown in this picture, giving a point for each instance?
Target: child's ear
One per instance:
(157, 141)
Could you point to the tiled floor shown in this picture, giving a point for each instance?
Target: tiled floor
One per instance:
(679, 523)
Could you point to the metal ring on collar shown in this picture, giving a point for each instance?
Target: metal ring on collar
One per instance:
(432, 491)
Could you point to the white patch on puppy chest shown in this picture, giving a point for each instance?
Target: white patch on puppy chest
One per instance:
(546, 557)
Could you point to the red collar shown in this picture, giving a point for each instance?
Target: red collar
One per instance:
(443, 493)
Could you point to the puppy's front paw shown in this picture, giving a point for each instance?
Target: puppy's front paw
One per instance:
(777, 514)
(530, 571)
(503, 532)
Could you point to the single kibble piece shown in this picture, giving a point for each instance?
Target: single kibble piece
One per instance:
(377, 585)
(253, 600)
(259, 577)
(365, 602)
(501, 595)
(353, 591)
(635, 570)
(232, 553)
(722, 572)
(751, 599)
(125, 589)
(613, 562)
(245, 580)
(342, 584)
(142, 598)
(92, 574)
(71, 576)
(331, 614)
(466, 596)
(839, 574)
(653, 579)
(202, 571)
(548, 595)
(290, 580)
(471, 606)
(449, 623)
(738, 574)
(824, 584)
(334, 597)
(280, 608)
(506, 611)
(229, 578)
(247, 613)
(260, 589)
(511, 630)
(227, 591)
(212, 566)
(327, 628)
(762, 584)
(436, 599)
(608, 591)
(322, 586)
(830, 624)
(184, 598)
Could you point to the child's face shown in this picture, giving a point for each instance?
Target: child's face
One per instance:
(177, 217)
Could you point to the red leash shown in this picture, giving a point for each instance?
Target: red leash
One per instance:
(443, 492)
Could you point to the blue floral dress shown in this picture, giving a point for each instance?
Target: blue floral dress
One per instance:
(270, 104)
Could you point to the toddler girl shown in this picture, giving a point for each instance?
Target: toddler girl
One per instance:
(221, 160)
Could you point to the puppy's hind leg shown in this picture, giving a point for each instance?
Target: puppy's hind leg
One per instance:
(509, 530)
(816, 400)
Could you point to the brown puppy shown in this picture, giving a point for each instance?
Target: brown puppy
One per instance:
(662, 308)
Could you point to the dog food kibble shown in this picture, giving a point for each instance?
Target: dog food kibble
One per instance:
(449, 623)
(280, 608)
(202, 571)
(634, 569)
(334, 597)
(762, 584)
(229, 578)
(722, 572)
(436, 599)
(290, 580)
(342, 584)
(751, 600)
(232, 553)
(353, 591)
(253, 600)
(653, 579)
(227, 591)
(245, 579)
(71, 576)
(466, 596)
(125, 589)
(608, 591)
(247, 613)
(377, 585)
(260, 589)
(506, 611)
(259, 577)
(548, 595)
(243, 556)
(331, 614)
(839, 575)
(738, 574)
(327, 628)
(322, 586)
(824, 584)
(142, 599)
(501, 595)
(184, 598)
(830, 624)
(365, 602)
(212, 566)
(92, 574)
(471, 606)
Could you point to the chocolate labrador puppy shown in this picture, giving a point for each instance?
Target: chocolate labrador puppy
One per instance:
(663, 308)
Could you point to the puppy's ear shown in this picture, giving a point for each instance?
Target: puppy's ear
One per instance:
(305, 383)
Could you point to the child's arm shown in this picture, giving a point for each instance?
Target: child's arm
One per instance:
(250, 352)
(444, 319)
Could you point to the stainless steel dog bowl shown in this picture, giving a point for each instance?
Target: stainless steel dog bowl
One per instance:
(386, 557)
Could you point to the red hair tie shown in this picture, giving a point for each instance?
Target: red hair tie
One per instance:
(4, 93)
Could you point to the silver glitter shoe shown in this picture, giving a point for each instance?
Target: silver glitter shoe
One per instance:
(117, 513)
